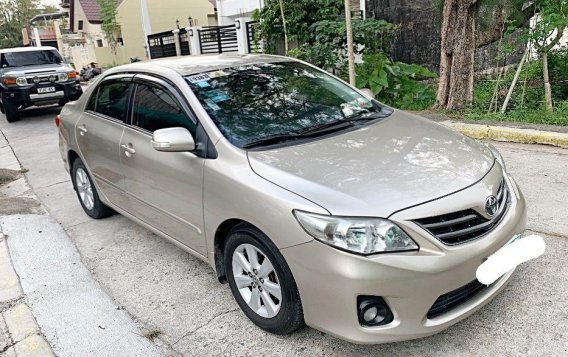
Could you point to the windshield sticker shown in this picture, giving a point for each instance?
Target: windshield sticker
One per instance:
(216, 74)
(212, 105)
(202, 84)
(217, 96)
(198, 78)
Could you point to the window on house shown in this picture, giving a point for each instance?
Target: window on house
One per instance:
(99, 43)
(80, 25)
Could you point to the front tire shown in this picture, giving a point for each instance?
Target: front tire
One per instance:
(262, 282)
(11, 110)
(87, 192)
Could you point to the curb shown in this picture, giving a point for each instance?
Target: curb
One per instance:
(516, 135)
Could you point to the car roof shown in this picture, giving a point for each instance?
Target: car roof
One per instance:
(188, 65)
(27, 49)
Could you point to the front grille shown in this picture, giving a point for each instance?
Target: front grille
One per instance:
(454, 298)
(41, 78)
(462, 226)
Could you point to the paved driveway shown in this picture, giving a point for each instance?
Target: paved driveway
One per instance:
(178, 298)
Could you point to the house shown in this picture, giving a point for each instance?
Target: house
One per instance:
(160, 16)
(85, 19)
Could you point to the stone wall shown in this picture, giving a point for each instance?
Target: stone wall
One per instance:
(418, 39)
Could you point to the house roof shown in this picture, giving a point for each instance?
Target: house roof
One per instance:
(92, 9)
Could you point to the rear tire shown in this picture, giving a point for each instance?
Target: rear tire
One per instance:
(11, 111)
(257, 291)
(87, 192)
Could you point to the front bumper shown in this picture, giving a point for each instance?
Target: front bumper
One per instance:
(28, 95)
(330, 280)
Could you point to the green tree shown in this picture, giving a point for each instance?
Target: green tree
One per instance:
(110, 25)
(549, 27)
(466, 26)
(299, 15)
(14, 16)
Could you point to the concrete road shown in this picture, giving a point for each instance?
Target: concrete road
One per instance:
(179, 303)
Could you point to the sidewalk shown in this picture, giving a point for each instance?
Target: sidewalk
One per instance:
(49, 302)
(19, 333)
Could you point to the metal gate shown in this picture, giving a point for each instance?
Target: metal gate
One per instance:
(162, 44)
(253, 42)
(218, 39)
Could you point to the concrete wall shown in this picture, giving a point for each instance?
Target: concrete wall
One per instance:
(163, 15)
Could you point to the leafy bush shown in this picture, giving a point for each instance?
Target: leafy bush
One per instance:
(395, 83)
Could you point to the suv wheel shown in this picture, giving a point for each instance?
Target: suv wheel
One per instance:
(11, 110)
(262, 282)
(87, 192)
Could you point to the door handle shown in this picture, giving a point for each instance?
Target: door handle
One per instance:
(128, 149)
(82, 130)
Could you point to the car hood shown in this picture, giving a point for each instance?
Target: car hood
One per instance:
(37, 69)
(379, 169)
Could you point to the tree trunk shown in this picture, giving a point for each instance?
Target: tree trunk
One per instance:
(455, 89)
(284, 26)
(547, 87)
(350, 51)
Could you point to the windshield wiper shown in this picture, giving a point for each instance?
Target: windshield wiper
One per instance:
(272, 139)
(323, 128)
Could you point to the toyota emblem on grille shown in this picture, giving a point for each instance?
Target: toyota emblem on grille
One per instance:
(491, 205)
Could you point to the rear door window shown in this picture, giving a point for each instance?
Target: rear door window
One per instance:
(155, 108)
(111, 99)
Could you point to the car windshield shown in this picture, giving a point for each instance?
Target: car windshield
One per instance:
(253, 102)
(30, 58)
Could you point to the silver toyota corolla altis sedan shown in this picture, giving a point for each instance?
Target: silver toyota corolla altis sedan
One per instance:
(317, 204)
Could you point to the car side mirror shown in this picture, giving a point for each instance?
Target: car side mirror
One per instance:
(368, 93)
(173, 140)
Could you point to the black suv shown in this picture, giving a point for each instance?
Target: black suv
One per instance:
(35, 76)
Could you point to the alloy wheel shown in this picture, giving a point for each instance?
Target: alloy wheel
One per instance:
(84, 188)
(256, 280)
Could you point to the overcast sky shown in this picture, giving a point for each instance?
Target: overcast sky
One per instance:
(51, 2)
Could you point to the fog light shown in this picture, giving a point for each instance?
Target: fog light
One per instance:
(373, 311)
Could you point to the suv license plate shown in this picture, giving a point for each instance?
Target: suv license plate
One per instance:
(46, 90)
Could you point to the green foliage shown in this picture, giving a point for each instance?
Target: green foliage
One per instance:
(327, 49)
(552, 16)
(529, 92)
(320, 35)
(299, 15)
(527, 104)
(395, 83)
(14, 16)
(110, 25)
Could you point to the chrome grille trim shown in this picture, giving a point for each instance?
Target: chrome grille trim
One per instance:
(463, 226)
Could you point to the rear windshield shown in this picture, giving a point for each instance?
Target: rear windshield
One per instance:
(253, 102)
(30, 58)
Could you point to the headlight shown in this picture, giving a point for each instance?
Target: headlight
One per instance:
(62, 77)
(358, 235)
(496, 155)
(21, 81)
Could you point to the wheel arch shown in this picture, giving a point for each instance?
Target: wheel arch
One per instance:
(221, 235)
(71, 157)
